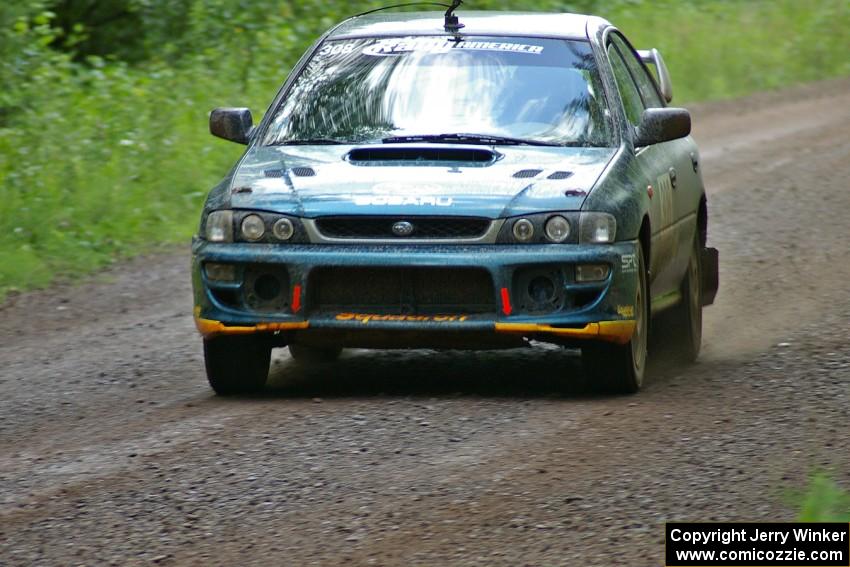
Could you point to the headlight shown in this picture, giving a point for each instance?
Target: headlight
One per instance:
(557, 229)
(597, 228)
(523, 230)
(283, 229)
(219, 227)
(253, 227)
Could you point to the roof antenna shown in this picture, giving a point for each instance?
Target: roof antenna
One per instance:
(452, 23)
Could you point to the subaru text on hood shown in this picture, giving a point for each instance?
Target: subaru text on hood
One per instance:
(421, 181)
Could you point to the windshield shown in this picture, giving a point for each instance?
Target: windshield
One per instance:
(374, 89)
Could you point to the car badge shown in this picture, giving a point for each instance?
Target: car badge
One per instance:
(402, 228)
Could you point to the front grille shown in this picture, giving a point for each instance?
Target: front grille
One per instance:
(402, 291)
(355, 227)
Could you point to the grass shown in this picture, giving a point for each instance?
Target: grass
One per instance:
(101, 160)
(729, 48)
(824, 501)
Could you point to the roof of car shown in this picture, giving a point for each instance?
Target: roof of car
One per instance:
(533, 24)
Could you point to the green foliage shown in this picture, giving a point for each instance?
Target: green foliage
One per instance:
(727, 48)
(824, 501)
(104, 149)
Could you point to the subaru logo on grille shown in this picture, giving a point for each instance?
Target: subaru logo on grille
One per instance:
(403, 228)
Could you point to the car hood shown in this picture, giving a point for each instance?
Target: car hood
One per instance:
(313, 181)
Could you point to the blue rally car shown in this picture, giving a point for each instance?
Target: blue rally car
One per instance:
(460, 181)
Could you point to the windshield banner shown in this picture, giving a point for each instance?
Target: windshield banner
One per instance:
(399, 46)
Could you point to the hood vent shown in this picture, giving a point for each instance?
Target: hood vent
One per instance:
(560, 175)
(423, 155)
(303, 172)
(296, 171)
(527, 173)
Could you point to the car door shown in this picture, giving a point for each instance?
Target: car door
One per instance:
(667, 169)
(684, 176)
(649, 169)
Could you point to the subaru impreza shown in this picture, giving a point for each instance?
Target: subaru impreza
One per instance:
(470, 180)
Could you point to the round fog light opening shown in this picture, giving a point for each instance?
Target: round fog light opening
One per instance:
(557, 229)
(267, 287)
(523, 230)
(253, 227)
(283, 229)
(541, 290)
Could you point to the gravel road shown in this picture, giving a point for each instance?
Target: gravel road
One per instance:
(114, 451)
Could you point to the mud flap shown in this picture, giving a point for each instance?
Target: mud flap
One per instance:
(710, 275)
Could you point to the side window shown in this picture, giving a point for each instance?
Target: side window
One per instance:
(645, 83)
(632, 103)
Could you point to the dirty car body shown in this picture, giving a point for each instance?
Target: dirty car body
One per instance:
(413, 185)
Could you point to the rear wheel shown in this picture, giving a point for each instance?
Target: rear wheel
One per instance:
(685, 320)
(237, 365)
(311, 354)
(620, 368)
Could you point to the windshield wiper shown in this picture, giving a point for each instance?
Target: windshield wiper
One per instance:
(311, 142)
(468, 139)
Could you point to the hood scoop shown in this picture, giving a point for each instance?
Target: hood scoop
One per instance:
(412, 155)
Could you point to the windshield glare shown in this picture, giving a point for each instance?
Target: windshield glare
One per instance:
(365, 90)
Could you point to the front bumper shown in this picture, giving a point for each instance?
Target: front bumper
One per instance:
(601, 311)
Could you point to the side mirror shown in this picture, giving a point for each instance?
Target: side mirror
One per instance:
(662, 125)
(234, 124)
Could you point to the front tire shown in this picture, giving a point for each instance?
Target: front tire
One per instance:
(620, 369)
(237, 365)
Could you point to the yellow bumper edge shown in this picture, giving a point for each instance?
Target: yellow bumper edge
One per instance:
(210, 328)
(619, 332)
